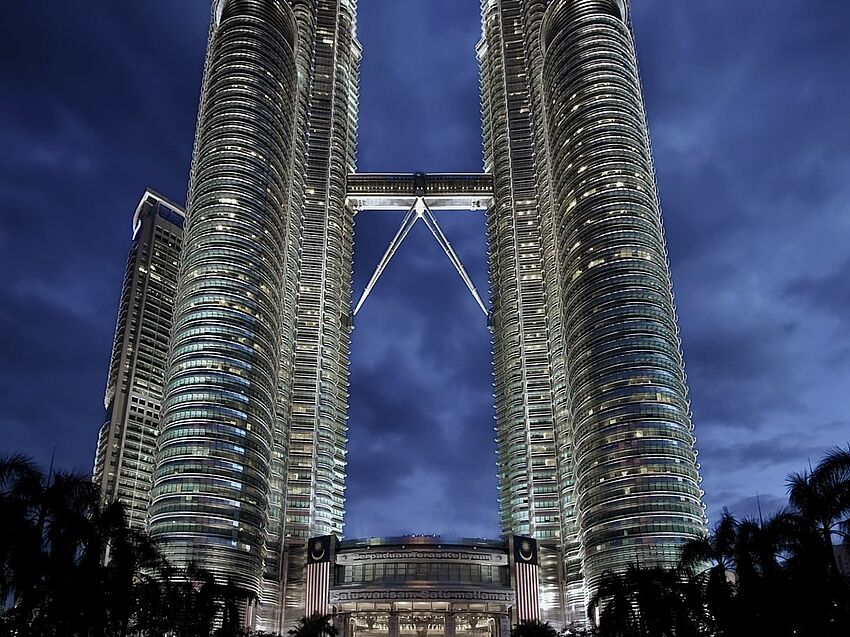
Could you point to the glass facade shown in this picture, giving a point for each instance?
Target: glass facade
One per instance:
(251, 460)
(536, 485)
(316, 479)
(636, 473)
(210, 497)
(317, 407)
(391, 587)
(394, 572)
(595, 443)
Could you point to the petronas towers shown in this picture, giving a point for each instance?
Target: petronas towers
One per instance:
(594, 436)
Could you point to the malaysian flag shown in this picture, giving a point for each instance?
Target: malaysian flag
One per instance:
(319, 564)
(525, 579)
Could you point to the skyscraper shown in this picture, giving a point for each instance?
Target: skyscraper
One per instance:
(220, 432)
(127, 439)
(590, 386)
(316, 409)
(594, 438)
(252, 452)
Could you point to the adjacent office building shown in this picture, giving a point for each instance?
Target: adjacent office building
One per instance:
(594, 437)
(127, 440)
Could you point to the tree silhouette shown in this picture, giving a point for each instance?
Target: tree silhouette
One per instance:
(533, 629)
(317, 625)
(710, 562)
(71, 567)
(821, 498)
(648, 602)
(50, 542)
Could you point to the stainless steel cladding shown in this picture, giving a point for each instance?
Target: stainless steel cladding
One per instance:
(638, 494)
(210, 492)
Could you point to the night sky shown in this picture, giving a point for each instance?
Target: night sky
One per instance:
(749, 108)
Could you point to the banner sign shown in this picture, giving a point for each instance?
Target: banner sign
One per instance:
(526, 582)
(318, 574)
(377, 595)
(418, 555)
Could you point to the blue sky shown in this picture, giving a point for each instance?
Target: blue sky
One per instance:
(748, 109)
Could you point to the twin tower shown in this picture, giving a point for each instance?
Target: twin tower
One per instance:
(596, 453)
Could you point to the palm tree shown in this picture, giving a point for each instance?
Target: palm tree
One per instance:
(45, 521)
(741, 569)
(68, 566)
(648, 602)
(126, 561)
(232, 599)
(822, 498)
(533, 629)
(71, 567)
(66, 596)
(710, 562)
(20, 546)
(612, 607)
(317, 625)
(191, 601)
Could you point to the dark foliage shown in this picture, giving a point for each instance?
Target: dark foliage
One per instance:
(533, 629)
(317, 625)
(71, 567)
(776, 576)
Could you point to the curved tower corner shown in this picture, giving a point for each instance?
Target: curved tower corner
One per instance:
(637, 480)
(210, 493)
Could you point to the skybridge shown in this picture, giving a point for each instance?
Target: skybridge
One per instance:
(440, 191)
(419, 195)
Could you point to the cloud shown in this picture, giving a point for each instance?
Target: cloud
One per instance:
(828, 293)
(783, 450)
(752, 154)
(758, 507)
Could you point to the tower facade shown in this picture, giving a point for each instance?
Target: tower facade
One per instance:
(211, 486)
(251, 456)
(127, 440)
(316, 409)
(534, 443)
(595, 444)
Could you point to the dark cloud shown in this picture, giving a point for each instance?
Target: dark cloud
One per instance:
(748, 114)
(752, 149)
(760, 453)
(727, 362)
(758, 507)
(828, 293)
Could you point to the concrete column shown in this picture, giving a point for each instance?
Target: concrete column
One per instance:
(393, 630)
(503, 626)
(451, 625)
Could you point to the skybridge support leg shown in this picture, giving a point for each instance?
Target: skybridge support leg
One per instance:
(410, 218)
(434, 227)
